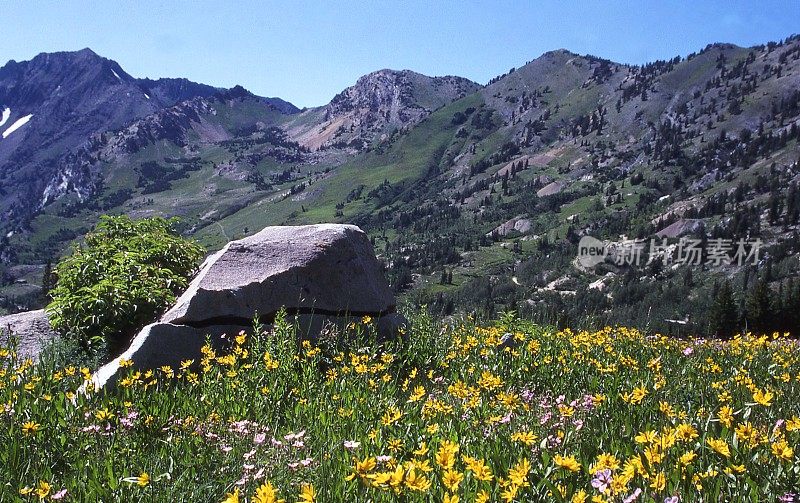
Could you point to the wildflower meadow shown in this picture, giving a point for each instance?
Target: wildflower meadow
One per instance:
(459, 411)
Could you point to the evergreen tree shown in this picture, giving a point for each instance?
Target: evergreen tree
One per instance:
(790, 313)
(48, 281)
(723, 318)
(759, 308)
(688, 279)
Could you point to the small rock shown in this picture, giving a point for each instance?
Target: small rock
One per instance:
(31, 329)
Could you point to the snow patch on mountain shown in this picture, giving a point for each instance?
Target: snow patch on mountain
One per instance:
(6, 115)
(17, 124)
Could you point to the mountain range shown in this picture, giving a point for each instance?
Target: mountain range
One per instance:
(475, 196)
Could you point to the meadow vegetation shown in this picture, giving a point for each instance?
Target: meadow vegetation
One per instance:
(462, 411)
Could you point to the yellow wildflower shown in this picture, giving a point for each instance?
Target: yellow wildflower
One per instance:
(745, 432)
(725, 415)
(638, 394)
(567, 462)
(604, 461)
(579, 497)
(524, 437)
(43, 489)
(30, 427)
(307, 493)
(782, 450)
(445, 456)
(396, 478)
(451, 479)
(719, 445)
(659, 482)
(266, 494)
(518, 474)
(763, 398)
(232, 497)
(417, 482)
(143, 479)
(391, 416)
(103, 415)
(417, 394)
(687, 458)
(361, 468)
(685, 432)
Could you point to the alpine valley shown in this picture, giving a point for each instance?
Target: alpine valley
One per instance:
(475, 196)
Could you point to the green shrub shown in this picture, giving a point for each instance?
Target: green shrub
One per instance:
(125, 274)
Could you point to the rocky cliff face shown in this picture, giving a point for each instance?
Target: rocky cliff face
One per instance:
(378, 104)
(198, 121)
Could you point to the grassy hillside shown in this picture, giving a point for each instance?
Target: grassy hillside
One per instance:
(408, 159)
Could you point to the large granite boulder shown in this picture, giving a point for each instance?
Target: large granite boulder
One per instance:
(326, 269)
(322, 275)
(31, 331)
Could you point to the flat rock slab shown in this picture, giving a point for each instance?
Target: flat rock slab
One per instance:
(31, 330)
(551, 188)
(680, 228)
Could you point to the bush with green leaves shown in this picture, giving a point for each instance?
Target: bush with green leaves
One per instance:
(121, 278)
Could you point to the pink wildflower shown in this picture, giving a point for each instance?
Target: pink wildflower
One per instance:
(633, 496)
(602, 480)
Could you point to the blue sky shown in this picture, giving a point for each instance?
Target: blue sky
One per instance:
(307, 51)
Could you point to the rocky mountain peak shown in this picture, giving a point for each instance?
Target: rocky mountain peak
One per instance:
(53, 104)
(376, 105)
(392, 89)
